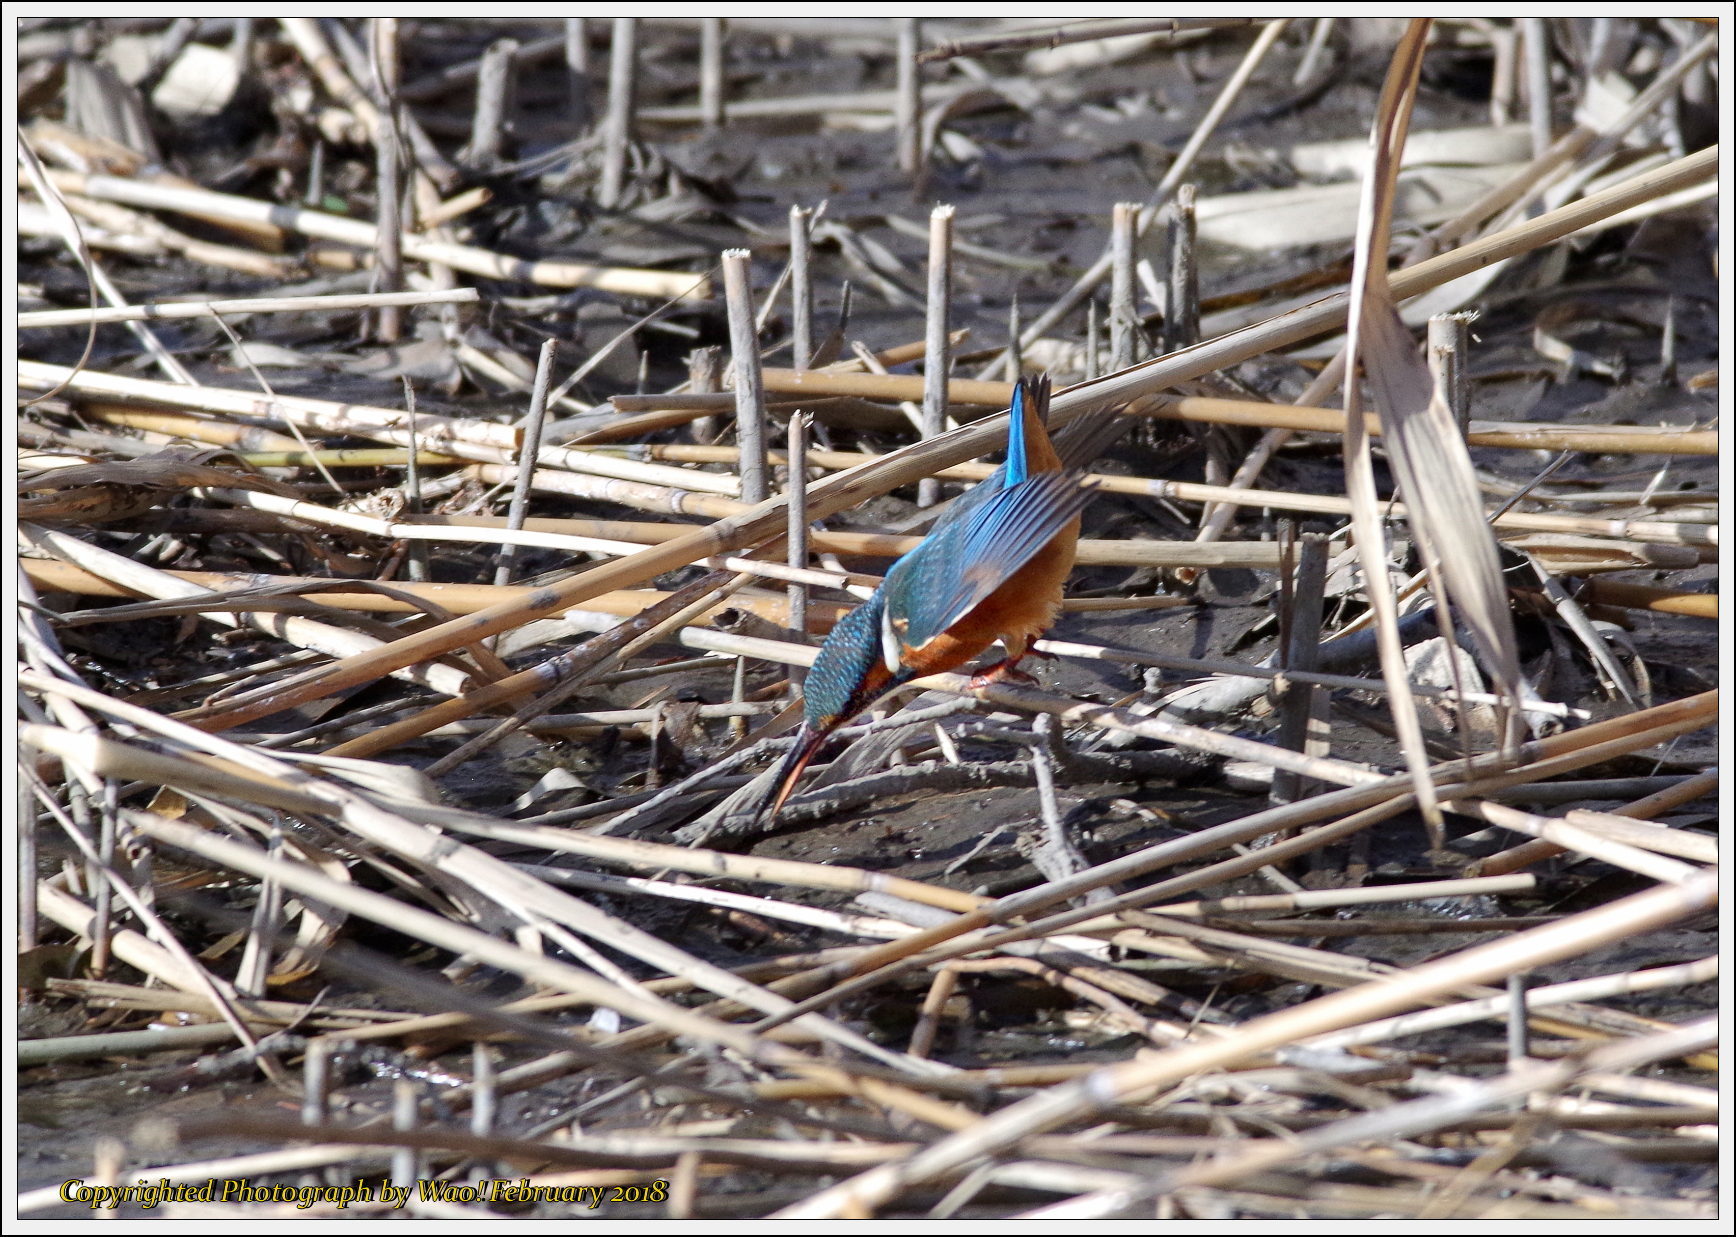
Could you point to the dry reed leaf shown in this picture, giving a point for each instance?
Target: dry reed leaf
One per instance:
(1266, 219)
(1473, 146)
(1565, 555)
(106, 489)
(1426, 450)
(1445, 510)
(317, 924)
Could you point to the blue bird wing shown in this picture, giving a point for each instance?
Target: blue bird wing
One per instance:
(956, 568)
(960, 510)
(1016, 470)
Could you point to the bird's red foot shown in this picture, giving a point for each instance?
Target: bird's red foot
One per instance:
(1003, 671)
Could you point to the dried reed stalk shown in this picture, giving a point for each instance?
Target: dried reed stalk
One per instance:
(205, 204)
(254, 305)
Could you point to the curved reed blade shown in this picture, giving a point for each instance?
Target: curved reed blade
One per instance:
(1424, 444)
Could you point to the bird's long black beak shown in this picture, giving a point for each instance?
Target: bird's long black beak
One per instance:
(808, 741)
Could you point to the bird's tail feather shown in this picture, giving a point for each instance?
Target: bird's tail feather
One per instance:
(1084, 439)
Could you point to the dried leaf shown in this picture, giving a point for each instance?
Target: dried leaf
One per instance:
(1428, 454)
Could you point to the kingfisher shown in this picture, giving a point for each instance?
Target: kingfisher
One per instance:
(991, 568)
